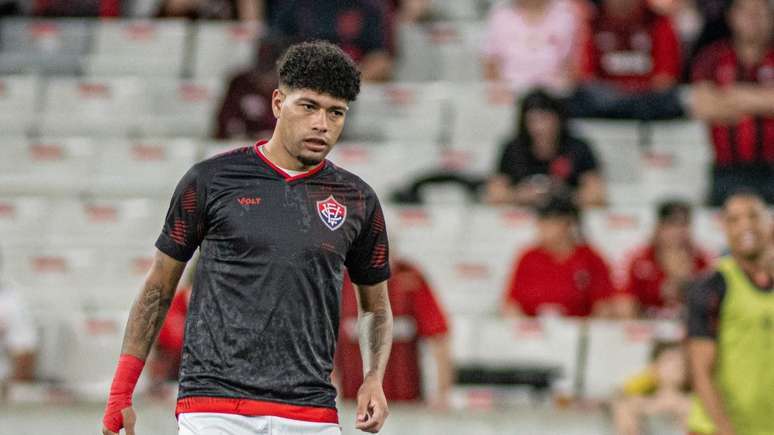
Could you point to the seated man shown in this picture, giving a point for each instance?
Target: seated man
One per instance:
(660, 272)
(417, 316)
(561, 273)
(734, 92)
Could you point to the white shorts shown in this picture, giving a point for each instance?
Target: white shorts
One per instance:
(209, 423)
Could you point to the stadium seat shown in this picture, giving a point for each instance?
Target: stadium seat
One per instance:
(677, 162)
(551, 343)
(18, 104)
(221, 49)
(483, 117)
(459, 47)
(632, 342)
(143, 167)
(709, 232)
(617, 145)
(47, 167)
(105, 222)
(399, 112)
(43, 46)
(183, 108)
(139, 47)
(97, 107)
(418, 58)
(123, 271)
(458, 10)
(23, 220)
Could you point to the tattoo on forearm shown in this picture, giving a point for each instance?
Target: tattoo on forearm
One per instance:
(376, 335)
(145, 320)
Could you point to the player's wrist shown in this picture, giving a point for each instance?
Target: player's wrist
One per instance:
(124, 381)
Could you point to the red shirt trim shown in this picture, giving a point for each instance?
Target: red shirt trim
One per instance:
(254, 408)
(285, 175)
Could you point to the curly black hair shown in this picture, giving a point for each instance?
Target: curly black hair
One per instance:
(322, 67)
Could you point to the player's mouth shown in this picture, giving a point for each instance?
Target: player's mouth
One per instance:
(315, 144)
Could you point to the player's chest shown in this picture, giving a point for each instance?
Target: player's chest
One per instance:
(288, 217)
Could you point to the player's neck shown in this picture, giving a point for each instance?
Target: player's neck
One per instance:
(276, 152)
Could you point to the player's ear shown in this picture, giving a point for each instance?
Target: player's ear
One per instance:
(277, 98)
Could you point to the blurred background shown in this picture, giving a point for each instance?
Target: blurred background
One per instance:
(550, 172)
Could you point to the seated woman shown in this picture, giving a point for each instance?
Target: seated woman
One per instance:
(545, 159)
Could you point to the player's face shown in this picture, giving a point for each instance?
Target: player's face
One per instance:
(748, 226)
(751, 20)
(674, 232)
(309, 123)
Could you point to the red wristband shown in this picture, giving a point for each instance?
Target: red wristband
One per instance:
(127, 373)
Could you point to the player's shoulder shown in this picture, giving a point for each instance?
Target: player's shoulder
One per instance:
(238, 155)
(350, 178)
(711, 282)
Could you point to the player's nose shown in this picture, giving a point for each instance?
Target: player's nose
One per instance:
(320, 122)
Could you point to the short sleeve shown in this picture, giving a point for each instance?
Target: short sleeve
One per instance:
(585, 160)
(704, 301)
(666, 49)
(429, 315)
(368, 259)
(21, 335)
(185, 225)
(511, 165)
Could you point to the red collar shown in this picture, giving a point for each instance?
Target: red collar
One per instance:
(280, 171)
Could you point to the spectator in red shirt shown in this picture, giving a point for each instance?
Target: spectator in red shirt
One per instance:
(245, 112)
(78, 8)
(630, 64)
(659, 273)
(416, 315)
(734, 92)
(561, 274)
(632, 48)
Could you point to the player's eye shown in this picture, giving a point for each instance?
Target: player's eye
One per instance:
(308, 107)
(337, 114)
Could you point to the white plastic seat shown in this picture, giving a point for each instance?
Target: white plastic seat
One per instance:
(144, 167)
(44, 46)
(605, 372)
(23, 220)
(616, 233)
(100, 107)
(221, 49)
(185, 108)
(18, 103)
(458, 9)
(48, 166)
(617, 147)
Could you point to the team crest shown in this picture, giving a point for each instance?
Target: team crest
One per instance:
(332, 213)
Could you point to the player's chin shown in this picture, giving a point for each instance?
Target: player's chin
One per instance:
(313, 157)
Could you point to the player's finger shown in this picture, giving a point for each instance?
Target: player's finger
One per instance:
(106, 431)
(379, 414)
(129, 421)
(362, 409)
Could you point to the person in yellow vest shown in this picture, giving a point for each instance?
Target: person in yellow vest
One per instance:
(731, 328)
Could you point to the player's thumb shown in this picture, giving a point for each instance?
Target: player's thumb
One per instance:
(362, 408)
(129, 420)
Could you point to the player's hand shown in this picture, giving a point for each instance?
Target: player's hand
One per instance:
(129, 420)
(371, 406)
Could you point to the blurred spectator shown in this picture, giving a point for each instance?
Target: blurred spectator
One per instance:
(246, 109)
(660, 390)
(630, 65)
(660, 272)
(245, 10)
(631, 48)
(734, 92)
(715, 26)
(545, 159)
(417, 315)
(359, 27)
(561, 274)
(18, 339)
(416, 11)
(78, 8)
(530, 43)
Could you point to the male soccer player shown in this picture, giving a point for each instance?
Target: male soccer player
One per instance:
(275, 223)
(731, 329)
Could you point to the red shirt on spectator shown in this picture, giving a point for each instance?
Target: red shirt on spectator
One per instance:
(750, 141)
(416, 313)
(574, 284)
(645, 277)
(631, 51)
